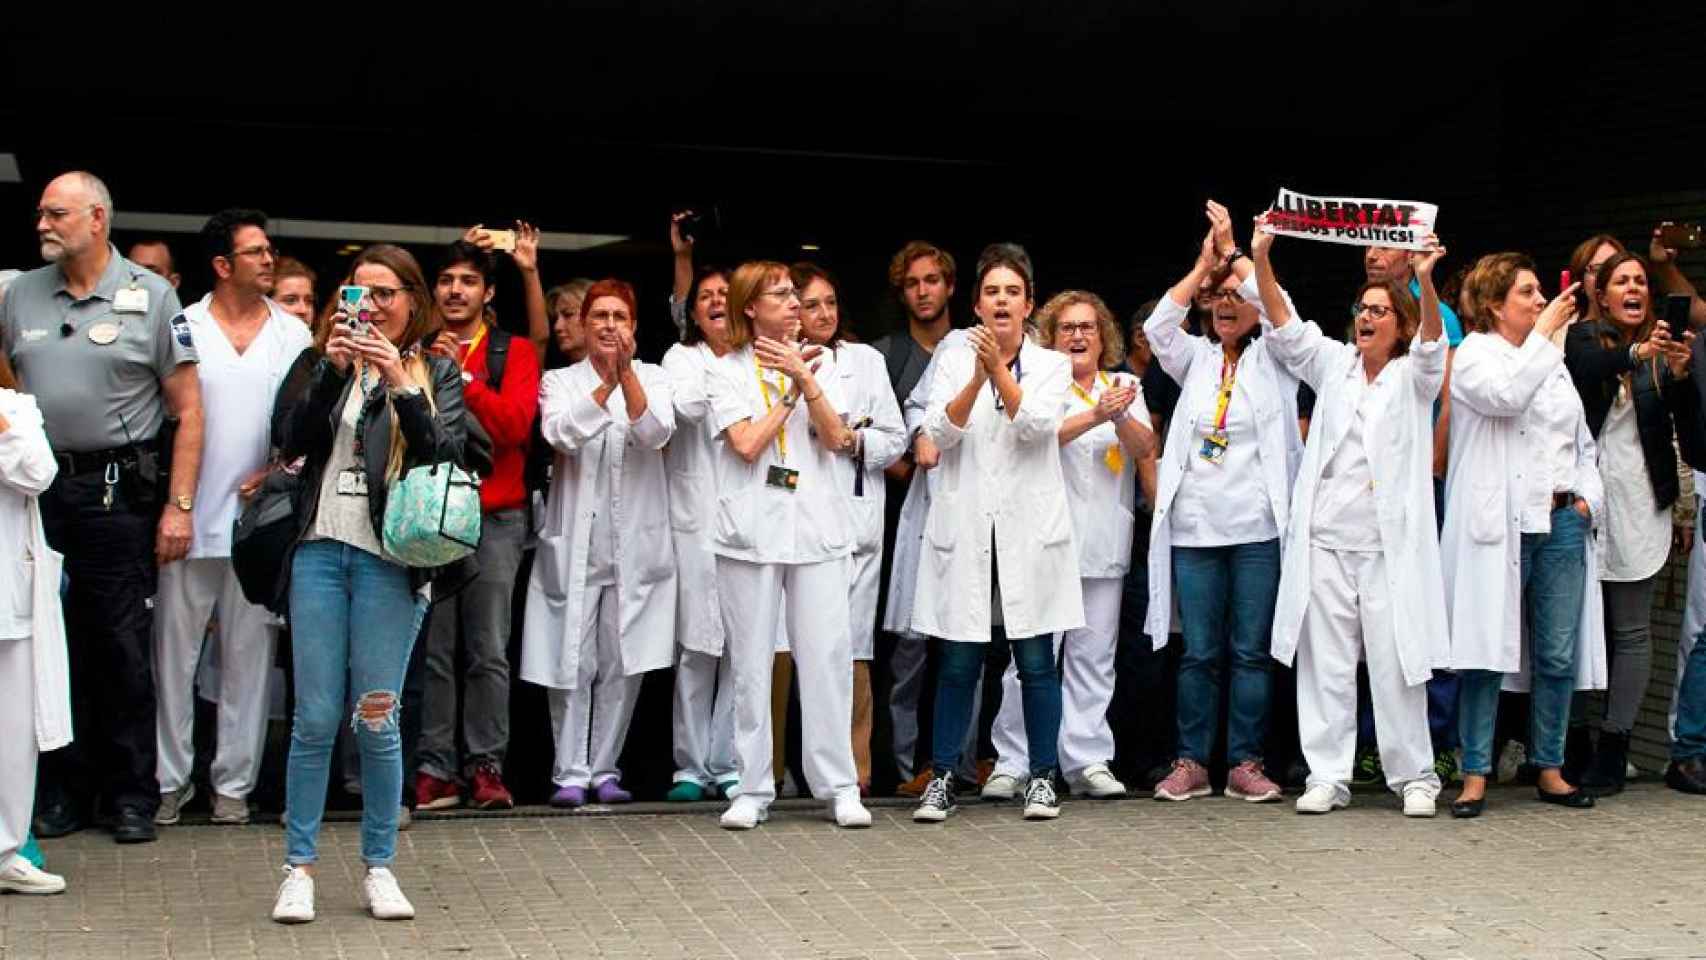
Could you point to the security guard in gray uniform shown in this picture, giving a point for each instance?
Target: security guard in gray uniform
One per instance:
(103, 346)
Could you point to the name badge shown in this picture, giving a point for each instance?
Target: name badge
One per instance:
(1213, 448)
(102, 334)
(783, 478)
(352, 482)
(130, 300)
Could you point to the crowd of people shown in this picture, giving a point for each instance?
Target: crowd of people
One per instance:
(1172, 543)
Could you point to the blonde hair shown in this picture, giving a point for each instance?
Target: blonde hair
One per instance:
(745, 286)
(1487, 286)
(1048, 320)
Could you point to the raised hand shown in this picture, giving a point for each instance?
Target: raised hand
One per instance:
(678, 243)
(1220, 223)
(1558, 313)
(982, 341)
(784, 356)
(479, 236)
(1657, 252)
(1261, 238)
(340, 346)
(526, 252)
(446, 345)
(1423, 262)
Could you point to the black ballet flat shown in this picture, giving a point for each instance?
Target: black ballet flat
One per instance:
(1576, 799)
(1468, 809)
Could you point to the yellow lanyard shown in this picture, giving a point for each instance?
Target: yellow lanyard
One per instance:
(781, 391)
(474, 344)
(1228, 375)
(1113, 457)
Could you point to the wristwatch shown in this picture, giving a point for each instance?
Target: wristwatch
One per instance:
(1233, 255)
(186, 504)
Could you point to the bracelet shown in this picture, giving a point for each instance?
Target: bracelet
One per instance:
(412, 390)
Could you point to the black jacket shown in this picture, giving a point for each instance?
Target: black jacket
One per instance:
(1663, 404)
(305, 421)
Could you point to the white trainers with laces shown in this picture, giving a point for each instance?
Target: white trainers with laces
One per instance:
(21, 876)
(1419, 800)
(1099, 782)
(383, 898)
(295, 903)
(1323, 798)
(1000, 786)
(1040, 800)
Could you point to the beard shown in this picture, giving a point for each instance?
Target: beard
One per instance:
(53, 251)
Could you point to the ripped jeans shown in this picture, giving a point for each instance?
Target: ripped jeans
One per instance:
(353, 620)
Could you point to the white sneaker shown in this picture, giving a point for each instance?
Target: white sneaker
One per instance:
(383, 898)
(1000, 786)
(21, 876)
(1419, 800)
(744, 813)
(295, 903)
(172, 805)
(1100, 783)
(1323, 798)
(849, 812)
(1511, 760)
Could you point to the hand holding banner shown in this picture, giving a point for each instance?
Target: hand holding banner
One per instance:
(1353, 220)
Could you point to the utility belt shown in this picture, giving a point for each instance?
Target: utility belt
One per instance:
(127, 457)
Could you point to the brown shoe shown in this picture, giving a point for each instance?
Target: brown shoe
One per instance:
(985, 768)
(915, 786)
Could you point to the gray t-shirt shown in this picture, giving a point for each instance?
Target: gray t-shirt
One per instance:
(95, 395)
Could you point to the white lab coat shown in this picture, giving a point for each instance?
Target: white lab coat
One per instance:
(1398, 437)
(1264, 384)
(639, 498)
(1100, 500)
(1481, 545)
(690, 457)
(30, 570)
(999, 477)
(865, 390)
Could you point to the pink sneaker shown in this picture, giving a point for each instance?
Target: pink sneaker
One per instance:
(1247, 782)
(1188, 779)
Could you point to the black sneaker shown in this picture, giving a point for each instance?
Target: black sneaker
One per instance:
(937, 802)
(1040, 800)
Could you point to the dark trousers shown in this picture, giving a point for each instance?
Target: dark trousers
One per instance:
(109, 615)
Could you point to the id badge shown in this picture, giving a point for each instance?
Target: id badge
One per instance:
(352, 483)
(130, 300)
(783, 478)
(1214, 447)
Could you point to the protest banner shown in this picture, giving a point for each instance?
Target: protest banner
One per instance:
(1354, 220)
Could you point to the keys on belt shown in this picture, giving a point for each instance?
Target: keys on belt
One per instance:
(97, 461)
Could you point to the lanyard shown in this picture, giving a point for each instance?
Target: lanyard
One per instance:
(473, 345)
(1017, 374)
(1228, 376)
(1113, 457)
(781, 391)
(1090, 401)
(361, 423)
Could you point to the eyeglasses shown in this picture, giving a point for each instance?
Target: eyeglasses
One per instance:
(608, 316)
(783, 294)
(1072, 329)
(56, 214)
(384, 296)
(1375, 310)
(270, 253)
(813, 306)
(1230, 296)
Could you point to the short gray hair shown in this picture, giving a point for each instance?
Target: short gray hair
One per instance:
(99, 195)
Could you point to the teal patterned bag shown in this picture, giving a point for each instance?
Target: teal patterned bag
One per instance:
(432, 516)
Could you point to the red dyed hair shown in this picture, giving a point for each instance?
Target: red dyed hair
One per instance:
(611, 287)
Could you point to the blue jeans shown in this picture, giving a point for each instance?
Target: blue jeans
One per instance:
(1553, 568)
(1226, 606)
(1039, 686)
(353, 619)
(1690, 741)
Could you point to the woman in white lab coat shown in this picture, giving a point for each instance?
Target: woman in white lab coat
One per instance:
(1104, 433)
(1522, 492)
(601, 599)
(879, 439)
(781, 532)
(999, 560)
(1221, 508)
(704, 713)
(1360, 578)
(35, 686)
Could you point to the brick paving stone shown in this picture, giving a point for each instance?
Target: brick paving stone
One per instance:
(1211, 878)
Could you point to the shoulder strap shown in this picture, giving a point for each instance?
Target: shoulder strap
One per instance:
(895, 359)
(497, 356)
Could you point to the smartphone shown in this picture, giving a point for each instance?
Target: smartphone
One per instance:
(1678, 236)
(1563, 280)
(502, 240)
(1676, 313)
(355, 304)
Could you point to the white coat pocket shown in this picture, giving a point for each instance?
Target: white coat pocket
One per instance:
(684, 502)
(17, 599)
(865, 514)
(657, 551)
(1487, 510)
(1053, 522)
(734, 520)
(939, 527)
(551, 560)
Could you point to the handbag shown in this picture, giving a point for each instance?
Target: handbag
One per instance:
(266, 530)
(432, 515)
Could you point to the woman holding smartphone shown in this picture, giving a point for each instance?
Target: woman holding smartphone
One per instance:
(1633, 378)
(781, 532)
(34, 715)
(999, 564)
(1522, 495)
(362, 406)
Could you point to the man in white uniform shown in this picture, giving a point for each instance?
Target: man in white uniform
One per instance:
(246, 344)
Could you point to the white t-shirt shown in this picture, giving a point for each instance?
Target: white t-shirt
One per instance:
(1549, 440)
(237, 393)
(1344, 516)
(1637, 532)
(755, 519)
(1222, 504)
(601, 544)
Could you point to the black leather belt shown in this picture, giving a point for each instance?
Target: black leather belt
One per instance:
(76, 464)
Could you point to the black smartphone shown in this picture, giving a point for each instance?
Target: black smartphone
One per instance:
(1676, 313)
(697, 225)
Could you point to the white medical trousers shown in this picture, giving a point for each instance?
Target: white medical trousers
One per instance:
(704, 718)
(590, 722)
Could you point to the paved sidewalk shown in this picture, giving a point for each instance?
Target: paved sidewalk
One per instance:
(1135, 878)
